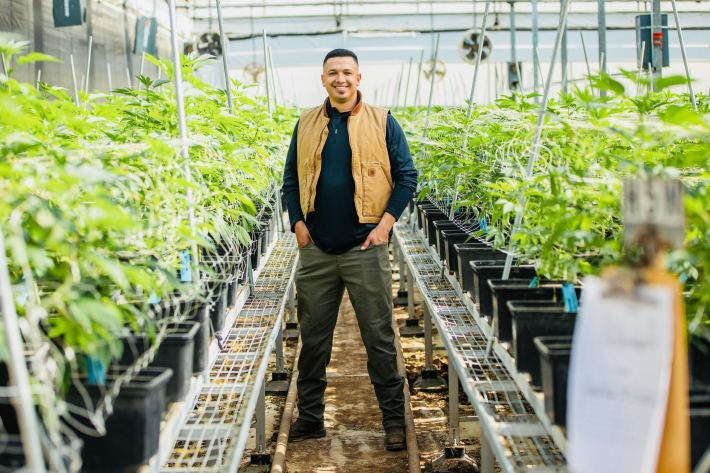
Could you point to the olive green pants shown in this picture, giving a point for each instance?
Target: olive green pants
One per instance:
(321, 280)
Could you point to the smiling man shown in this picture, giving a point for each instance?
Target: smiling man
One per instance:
(348, 178)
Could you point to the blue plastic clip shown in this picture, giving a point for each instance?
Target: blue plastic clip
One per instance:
(570, 297)
(534, 283)
(483, 225)
(153, 299)
(96, 371)
(185, 270)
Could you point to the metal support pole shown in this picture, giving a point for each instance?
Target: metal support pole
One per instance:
(453, 405)
(656, 46)
(563, 56)
(279, 377)
(17, 369)
(88, 64)
(260, 456)
(399, 87)
(224, 41)
(273, 76)
(266, 73)
(410, 298)
(685, 57)
(182, 125)
(406, 88)
(586, 58)
(428, 341)
(419, 76)
(73, 79)
(431, 89)
(535, 45)
(538, 132)
(478, 61)
(110, 80)
(488, 460)
(291, 332)
(513, 49)
(601, 21)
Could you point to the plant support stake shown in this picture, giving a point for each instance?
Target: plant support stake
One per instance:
(685, 57)
(419, 76)
(431, 89)
(183, 136)
(478, 60)
(223, 40)
(88, 65)
(538, 134)
(266, 72)
(73, 78)
(17, 367)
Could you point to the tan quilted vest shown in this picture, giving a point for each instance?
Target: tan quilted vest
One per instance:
(367, 130)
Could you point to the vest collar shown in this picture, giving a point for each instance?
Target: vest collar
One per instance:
(353, 112)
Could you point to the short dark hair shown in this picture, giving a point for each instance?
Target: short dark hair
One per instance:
(340, 53)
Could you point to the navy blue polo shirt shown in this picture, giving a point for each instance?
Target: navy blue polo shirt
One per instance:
(334, 224)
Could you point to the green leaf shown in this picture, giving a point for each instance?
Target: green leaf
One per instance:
(36, 57)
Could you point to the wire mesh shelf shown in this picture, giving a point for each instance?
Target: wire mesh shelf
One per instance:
(517, 434)
(214, 435)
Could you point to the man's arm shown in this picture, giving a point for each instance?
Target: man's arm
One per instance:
(404, 176)
(291, 192)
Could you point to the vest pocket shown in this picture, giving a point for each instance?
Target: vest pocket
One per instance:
(376, 189)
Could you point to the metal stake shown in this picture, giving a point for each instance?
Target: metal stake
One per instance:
(535, 46)
(291, 332)
(182, 125)
(406, 88)
(17, 369)
(273, 77)
(563, 56)
(685, 57)
(399, 87)
(513, 51)
(419, 76)
(538, 132)
(478, 61)
(431, 89)
(656, 47)
(266, 72)
(488, 460)
(223, 40)
(39, 78)
(586, 58)
(428, 341)
(108, 75)
(73, 78)
(88, 65)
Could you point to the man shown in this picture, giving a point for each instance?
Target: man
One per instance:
(347, 179)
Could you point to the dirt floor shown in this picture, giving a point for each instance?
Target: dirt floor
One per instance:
(355, 439)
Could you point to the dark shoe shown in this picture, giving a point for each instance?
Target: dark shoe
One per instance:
(302, 430)
(395, 439)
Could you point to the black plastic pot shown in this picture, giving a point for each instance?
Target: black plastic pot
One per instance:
(431, 216)
(554, 365)
(7, 410)
(133, 429)
(699, 422)
(492, 269)
(466, 252)
(532, 319)
(200, 355)
(218, 309)
(518, 290)
(12, 455)
(699, 360)
(232, 289)
(441, 225)
(176, 352)
(421, 207)
(256, 247)
(446, 240)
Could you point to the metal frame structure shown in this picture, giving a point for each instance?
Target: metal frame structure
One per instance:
(514, 428)
(214, 435)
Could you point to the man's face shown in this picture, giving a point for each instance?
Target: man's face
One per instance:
(341, 78)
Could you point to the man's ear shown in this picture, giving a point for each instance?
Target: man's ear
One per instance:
(322, 80)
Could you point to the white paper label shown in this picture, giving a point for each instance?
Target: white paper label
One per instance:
(619, 379)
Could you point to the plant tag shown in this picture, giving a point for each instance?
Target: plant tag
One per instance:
(153, 299)
(185, 271)
(570, 297)
(96, 371)
(653, 209)
(483, 225)
(534, 283)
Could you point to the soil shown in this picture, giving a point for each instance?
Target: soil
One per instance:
(355, 439)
